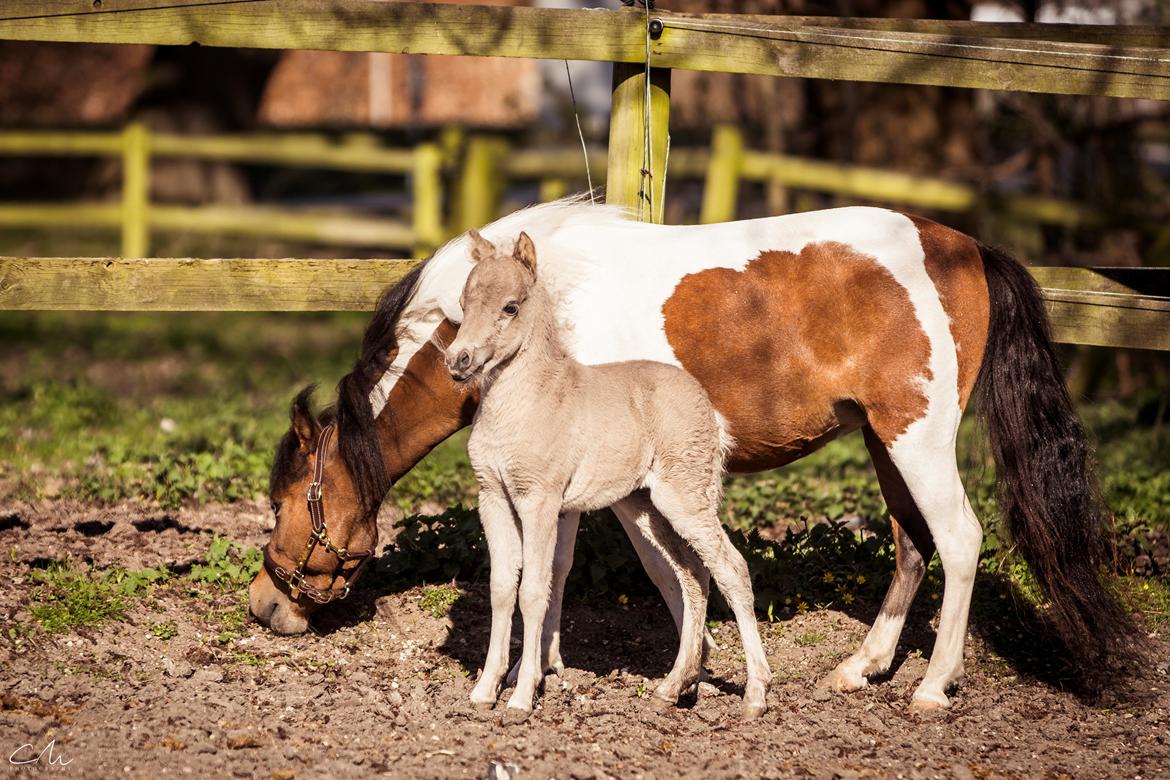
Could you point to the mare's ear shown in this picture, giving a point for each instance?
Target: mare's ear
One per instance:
(304, 424)
(525, 252)
(481, 248)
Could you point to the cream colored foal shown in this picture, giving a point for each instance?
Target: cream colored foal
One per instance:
(552, 435)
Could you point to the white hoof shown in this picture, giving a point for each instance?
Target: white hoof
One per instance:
(845, 679)
(925, 700)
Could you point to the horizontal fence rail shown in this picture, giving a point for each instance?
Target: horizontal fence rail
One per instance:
(1057, 59)
(137, 216)
(1102, 307)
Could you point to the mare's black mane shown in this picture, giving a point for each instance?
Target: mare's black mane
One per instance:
(357, 434)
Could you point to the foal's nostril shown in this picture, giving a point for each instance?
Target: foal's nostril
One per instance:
(464, 361)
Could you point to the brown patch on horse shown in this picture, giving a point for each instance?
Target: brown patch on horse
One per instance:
(425, 405)
(955, 265)
(832, 338)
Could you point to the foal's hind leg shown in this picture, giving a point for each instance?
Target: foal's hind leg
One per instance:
(913, 549)
(925, 457)
(637, 510)
(692, 511)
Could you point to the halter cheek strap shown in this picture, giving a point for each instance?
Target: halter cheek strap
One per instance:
(319, 534)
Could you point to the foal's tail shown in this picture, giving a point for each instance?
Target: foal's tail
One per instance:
(1047, 488)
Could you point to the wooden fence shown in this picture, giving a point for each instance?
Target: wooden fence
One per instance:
(481, 167)
(137, 216)
(1104, 306)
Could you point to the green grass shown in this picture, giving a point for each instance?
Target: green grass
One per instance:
(64, 597)
(185, 409)
(437, 600)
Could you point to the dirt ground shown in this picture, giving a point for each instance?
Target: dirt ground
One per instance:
(381, 687)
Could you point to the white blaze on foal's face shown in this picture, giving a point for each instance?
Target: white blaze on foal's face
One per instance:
(494, 324)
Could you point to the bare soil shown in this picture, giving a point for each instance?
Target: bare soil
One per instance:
(381, 687)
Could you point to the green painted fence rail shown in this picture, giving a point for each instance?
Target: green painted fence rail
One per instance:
(137, 216)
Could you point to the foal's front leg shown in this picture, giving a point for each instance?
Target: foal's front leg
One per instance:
(550, 639)
(504, 550)
(538, 523)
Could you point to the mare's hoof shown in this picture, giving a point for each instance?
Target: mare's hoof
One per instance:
(483, 706)
(513, 715)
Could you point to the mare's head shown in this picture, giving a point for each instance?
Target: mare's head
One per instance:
(496, 322)
(292, 584)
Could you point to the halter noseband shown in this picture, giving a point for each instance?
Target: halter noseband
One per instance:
(319, 535)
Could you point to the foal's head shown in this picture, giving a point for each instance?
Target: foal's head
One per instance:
(496, 322)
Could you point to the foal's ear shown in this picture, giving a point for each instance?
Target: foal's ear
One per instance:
(481, 248)
(525, 252)
(304, 424)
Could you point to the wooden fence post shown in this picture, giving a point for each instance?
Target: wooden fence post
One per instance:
(135, 190)
(624, 181)
(479, 183)
(721, 190)
(428, 199)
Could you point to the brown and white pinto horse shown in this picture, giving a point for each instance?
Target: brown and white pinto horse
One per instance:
(801, 328)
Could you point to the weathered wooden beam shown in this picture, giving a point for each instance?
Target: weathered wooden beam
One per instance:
(1104, 306)
(632, 179)
(1108, 307)
(1060, 59)
(114, 284)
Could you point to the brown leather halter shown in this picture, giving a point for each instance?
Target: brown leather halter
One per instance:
(319, 535)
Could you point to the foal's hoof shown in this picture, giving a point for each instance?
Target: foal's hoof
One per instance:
(513, 715)
(483, 706)
(753, 710)
(662, 703)
(843, 680)
(926, 701)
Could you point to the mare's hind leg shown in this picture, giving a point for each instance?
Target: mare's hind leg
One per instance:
(913, 549)
(550, 639)
(689, 578)
(692, 511)
(924, 455)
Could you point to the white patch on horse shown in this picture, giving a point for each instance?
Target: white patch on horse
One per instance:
(610, 276)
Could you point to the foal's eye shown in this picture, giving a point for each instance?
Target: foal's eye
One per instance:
(511, 309)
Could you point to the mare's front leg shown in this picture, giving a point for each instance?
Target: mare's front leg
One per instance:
(504, 550)
(550, 643)
(538, 523)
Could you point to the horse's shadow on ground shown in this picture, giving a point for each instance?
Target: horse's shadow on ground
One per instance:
(601, 635)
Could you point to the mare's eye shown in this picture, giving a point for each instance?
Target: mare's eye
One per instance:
(276, 507)
(511, 309)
